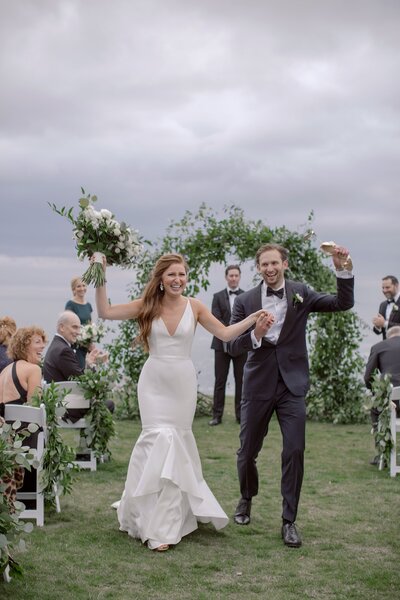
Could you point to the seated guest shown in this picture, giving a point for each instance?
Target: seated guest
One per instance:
(19, 381)
(7, 329)
(22, 378)
(60, 362)
(384, 358)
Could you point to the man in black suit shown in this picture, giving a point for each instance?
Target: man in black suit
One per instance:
(384, 358)
(389, 309)
(221, 308)
(276, 374)
(60, 362)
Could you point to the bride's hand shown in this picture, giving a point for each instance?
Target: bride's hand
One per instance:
(264, 320)
(104, 261)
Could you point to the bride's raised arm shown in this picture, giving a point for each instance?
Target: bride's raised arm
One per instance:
(119, 312)
(230, 332)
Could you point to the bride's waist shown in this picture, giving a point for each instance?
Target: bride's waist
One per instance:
(170, 356)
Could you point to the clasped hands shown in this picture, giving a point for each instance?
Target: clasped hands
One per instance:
(264, 320)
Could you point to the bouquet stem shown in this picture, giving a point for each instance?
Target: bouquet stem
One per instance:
(95, 273)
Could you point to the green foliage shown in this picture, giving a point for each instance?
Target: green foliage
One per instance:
(58, 466)
(13, 455)
(337, 390)
(205, 238)
(96, 384)
(381, 388)
(204, 405)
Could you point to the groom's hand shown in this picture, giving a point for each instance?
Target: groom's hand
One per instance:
(339, 257)
(263, 323)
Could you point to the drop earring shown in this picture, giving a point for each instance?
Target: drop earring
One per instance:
(161, 286)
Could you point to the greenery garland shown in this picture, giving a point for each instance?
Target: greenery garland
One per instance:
(381, 388)
(13, 455)
(96, 384)
(58, 467)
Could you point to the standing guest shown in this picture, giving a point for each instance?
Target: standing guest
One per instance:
(389, 309)
(165, 493)
(7, 329)
(83, 309)
(221, 308)
(276, 374)
(21, 379)
(384, 358)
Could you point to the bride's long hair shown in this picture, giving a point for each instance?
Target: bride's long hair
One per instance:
(152, 296)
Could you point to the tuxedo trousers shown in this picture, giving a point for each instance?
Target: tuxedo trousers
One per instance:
(222, 363)
(255, 417)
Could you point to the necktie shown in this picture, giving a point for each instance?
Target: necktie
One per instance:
(390, 301)
(271, 292)
(236, 292)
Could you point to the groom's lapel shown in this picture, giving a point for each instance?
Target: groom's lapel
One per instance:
(290, 312)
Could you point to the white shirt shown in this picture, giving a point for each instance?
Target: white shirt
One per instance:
(232, 297)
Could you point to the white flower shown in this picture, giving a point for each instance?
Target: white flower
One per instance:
(297, 299)
(106, 213)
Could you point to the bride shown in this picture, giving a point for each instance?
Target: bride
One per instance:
(165, 493)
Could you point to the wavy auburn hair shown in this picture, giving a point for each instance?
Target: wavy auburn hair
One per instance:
(19, 343)
(153, 295)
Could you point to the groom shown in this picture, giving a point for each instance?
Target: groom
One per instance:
(276, 375)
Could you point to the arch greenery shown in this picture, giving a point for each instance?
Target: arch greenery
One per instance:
(205, 238)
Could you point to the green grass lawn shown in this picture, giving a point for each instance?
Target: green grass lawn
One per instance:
(349, 520)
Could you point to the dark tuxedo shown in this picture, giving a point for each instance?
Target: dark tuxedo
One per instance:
(394, 317)
(276, 378)
(60, 362)
(384, 357)
(221, 309)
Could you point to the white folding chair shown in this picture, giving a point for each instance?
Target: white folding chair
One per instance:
(6, 574)
(31, 414)
(75, 399)
(395, 429)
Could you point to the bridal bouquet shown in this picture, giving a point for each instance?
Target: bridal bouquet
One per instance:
(97, 234)
(91, 333)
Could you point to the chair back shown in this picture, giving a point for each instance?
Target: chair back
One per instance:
(75, 397)
(26, 413)
(395, 395)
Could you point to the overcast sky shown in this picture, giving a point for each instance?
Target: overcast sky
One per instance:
(280, 107)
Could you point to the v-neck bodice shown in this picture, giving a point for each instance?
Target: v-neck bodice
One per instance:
(162, 343)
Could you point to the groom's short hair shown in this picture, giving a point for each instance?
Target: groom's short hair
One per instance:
(284, 252)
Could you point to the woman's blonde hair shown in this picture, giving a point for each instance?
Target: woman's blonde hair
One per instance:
(7, 329)
(19, 343)
(74, 282)
(153, 295)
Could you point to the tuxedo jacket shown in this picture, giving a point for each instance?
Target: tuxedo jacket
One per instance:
(288, 357)
(60, 362)
(221, 309)
(385, 357)
(394, 318)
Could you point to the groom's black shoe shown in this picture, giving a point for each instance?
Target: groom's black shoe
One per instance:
(242, 512)
(215, 421)
(290, 535)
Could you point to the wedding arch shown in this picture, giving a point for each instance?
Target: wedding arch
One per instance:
(206, 238)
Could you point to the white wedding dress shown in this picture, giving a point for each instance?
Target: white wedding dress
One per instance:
(165, 494)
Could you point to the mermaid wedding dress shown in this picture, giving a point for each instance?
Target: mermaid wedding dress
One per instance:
(165, 494)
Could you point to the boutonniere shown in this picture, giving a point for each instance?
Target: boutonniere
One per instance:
(395, 307)
(297, 299)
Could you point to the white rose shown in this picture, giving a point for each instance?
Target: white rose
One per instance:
(117, 250)
(106, 213)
